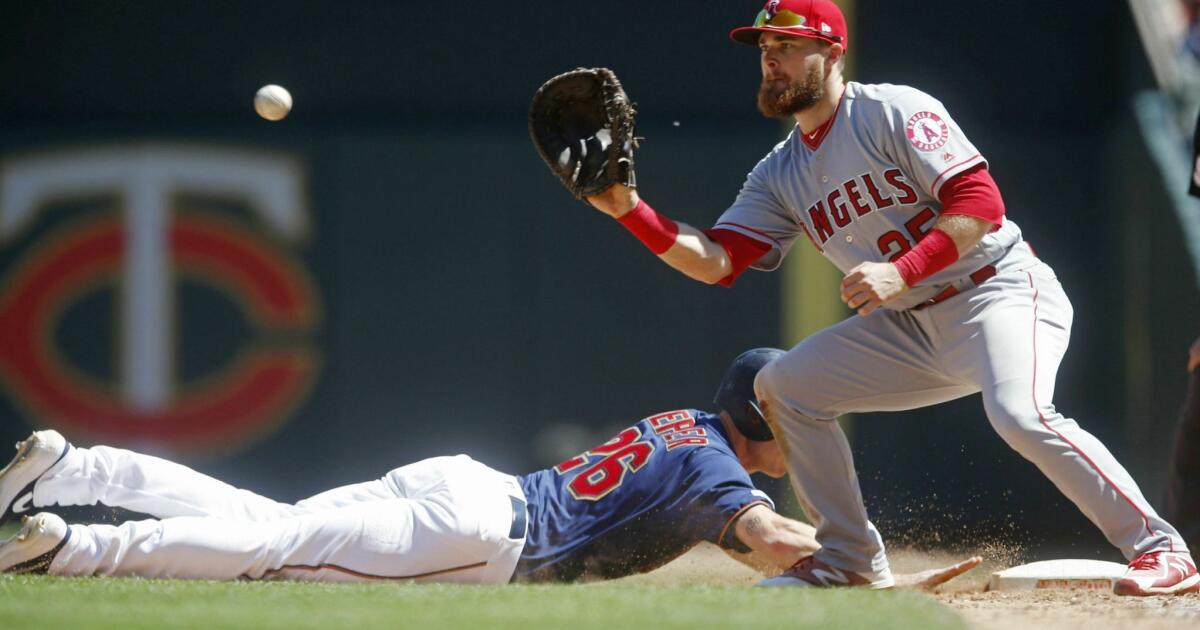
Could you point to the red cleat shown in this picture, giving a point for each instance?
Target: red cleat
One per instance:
(810, 572)
(1159, 573)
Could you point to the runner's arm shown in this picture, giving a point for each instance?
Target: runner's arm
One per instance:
(776, 542)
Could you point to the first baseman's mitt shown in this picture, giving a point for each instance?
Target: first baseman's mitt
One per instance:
(582, 125)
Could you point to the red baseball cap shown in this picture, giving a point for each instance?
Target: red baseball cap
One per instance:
(816, 19)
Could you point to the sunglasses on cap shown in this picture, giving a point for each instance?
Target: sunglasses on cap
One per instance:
(789, 20)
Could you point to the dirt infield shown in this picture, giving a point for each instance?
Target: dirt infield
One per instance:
(1045, 610)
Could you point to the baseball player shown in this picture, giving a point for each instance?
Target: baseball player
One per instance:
(950, 300)
(1183, 473)
(629, 505)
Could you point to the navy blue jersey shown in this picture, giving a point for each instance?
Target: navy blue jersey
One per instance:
(635, 502)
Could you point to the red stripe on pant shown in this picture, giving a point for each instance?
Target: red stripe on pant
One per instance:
(1145, 519)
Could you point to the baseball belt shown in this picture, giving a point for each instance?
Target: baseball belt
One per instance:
(519, 519)
(977, 278)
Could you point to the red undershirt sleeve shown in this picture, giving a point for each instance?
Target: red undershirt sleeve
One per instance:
(973, 193)
(742, 250)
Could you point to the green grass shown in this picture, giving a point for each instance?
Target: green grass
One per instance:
(126, 604)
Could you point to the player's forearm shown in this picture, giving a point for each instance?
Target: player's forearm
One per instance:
(788, 542)
(776, 540)
(952, 236)
(680, 245)
(965, 231)
(697, 256)
(762, 563)
(778, 557)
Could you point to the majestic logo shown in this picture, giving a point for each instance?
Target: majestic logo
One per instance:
(927, 131)
(148, 227)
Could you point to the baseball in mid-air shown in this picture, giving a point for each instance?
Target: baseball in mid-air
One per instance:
(272, 102)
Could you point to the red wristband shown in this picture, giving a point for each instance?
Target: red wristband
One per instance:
(651, 228)
(934, 253)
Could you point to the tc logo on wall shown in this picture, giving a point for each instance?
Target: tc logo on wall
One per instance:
(154, 292)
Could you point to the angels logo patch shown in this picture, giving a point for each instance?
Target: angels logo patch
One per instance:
(927, 131)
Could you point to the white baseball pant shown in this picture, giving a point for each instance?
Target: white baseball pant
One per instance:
(445, 519)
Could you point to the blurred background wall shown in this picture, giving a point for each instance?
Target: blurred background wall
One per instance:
(390, 273)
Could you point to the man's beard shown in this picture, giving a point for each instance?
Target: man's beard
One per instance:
(796, 96)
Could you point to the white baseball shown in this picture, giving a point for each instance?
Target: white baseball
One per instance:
(272, 102)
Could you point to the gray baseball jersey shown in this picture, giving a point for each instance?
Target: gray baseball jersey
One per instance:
(864, 187)
(869, 191)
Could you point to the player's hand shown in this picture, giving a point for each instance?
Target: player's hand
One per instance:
(1194, 355)
(869, 285)
(616, 201)
(928, 580)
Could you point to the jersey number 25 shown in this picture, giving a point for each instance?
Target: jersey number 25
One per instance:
(894, 244)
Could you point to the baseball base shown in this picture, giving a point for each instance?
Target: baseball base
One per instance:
(1057, 574)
